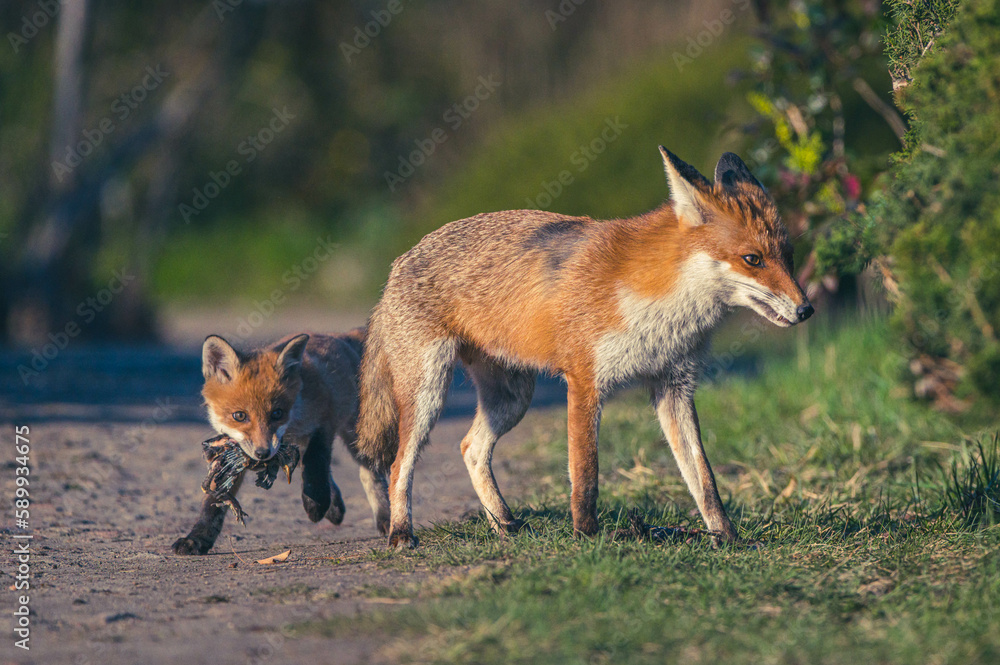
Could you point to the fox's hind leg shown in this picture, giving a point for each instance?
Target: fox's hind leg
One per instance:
(420, 388)
(375, 483)
(377, 491)
(320, 495)
(504, 395)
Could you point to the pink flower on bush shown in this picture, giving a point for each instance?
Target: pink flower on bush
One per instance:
(852, 187)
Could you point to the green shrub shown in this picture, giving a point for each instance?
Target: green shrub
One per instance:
(939, 216)
(916, 27)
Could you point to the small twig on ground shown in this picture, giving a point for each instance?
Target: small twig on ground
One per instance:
(232, 544)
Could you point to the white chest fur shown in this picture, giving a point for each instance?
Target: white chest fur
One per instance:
(662, 332)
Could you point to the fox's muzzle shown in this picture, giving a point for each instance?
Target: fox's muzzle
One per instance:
(263, 452)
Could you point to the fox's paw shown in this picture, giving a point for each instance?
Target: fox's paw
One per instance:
(314, 509)
(509, 528)
(402, 537)
(337, 509)
(587, 526)
(728, 535)
(189, 547)
(513, 526)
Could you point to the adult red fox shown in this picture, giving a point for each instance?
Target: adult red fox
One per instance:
(599, 302)
(301, 390)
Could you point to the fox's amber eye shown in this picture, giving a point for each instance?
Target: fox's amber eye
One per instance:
(752, 260)
(240, 416)
(277, 414)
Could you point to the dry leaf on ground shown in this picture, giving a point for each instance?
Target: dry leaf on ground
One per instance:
(277, 558)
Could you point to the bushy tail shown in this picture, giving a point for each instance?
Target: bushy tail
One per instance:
(378, 419)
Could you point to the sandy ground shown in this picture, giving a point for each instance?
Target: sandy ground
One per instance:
(115, 472)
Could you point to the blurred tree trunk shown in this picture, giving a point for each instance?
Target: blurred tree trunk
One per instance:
(68, 77)
(54, 279)
(38, 303)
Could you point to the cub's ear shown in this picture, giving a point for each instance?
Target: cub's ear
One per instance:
(291, 355)
(731, 170)
(687, 188)
(219, 360)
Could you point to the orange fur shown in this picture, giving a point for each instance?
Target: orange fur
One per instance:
(599, 302)
(300, 391)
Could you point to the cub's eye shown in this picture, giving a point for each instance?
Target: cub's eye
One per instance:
(277, 414)
(240, 416)
(752, 260)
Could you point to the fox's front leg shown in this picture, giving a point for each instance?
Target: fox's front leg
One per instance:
(584, 411)
(320, 495)
(207, 528)
(679, 420)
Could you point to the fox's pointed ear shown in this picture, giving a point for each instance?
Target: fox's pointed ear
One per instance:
(686, 187)
(291, 355)
(731, 170)
(219, 360)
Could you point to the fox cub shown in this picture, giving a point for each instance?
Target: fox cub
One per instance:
(601, 303)
(302, 390)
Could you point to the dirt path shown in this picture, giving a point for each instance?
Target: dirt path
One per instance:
(107, 589)
(115, 471)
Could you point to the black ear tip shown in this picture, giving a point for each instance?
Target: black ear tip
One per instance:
(674, 160)
(731, 159)
(731, 169)
(294, 349)
(213, 341)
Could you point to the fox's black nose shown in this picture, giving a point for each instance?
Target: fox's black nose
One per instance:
(804, 311)
(262, 453)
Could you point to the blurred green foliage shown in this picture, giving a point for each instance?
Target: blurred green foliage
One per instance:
(519, 164)
(572, 128)
(932, 218)
(360, 84)
(823, 133)
(515, 164)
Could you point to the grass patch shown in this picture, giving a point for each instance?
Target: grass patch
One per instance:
(202, 262)
(286, 255)
(284, 593)
(973, 489)
(862, 500)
